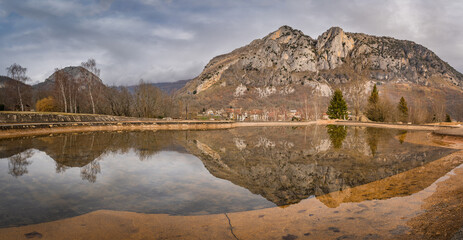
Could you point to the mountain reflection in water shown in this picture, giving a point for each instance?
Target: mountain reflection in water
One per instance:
(159, 172)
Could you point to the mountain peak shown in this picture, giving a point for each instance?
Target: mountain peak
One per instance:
(330, 34)
(283, 31)
(286, 28)
(334, 30)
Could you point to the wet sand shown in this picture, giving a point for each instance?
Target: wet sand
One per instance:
(422, 203)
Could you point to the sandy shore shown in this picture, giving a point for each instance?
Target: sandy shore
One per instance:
(422, 203)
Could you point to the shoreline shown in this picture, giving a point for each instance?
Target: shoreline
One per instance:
(13, 130)
(418, 202)
(433, 182)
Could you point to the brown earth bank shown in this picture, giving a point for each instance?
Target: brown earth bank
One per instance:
(32, 129)
(422, 203)
(20, 129)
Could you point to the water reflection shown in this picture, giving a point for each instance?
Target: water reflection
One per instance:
(89, 171)
(402, 136)
(262, 167)
(17, 164)
(337, 134)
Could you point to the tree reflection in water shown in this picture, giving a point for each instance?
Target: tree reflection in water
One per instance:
(90, 171)
(284, 165)
(402, 136)
(372, 140)
(17, 165)
(337, 135)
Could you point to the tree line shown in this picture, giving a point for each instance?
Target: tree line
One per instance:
(84, 92)
(381, 110)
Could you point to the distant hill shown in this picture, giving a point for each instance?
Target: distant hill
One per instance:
(74, 73)
(171, 87)
(167, 87)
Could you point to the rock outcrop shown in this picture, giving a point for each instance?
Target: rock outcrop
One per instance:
(288, 59)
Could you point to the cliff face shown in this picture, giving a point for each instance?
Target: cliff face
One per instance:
(286, 63)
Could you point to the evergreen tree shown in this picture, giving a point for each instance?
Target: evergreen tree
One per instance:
(447, 118)
(374, 110)
(374, 97)
(338, 106)
(403, 110)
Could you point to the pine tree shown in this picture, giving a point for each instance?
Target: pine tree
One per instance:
(374, 110)
(338, 106)
(403, 110)
(374, 97)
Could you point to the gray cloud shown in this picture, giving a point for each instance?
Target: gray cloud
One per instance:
(168, 40)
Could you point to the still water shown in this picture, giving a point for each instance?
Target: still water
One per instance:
(48, 178)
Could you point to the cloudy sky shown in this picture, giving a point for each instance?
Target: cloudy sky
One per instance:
(169, 40)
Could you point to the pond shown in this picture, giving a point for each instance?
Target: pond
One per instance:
(47, 178)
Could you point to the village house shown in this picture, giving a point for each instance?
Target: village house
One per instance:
(294, 114)
(325, 116)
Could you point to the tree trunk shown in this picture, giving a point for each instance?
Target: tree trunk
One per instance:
(20, 99)
(70, 100)
(306, 109)
(91, 98)
(64, 97)
(75, 102)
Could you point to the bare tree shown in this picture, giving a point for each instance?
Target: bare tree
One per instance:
(66, 90)
(418, 111)
(358, 96)
(18, 73)
(18, 163)
(90, 65)
(119, 101)
(90, 171)
(316, 105)
(61, 80)
(148, 100)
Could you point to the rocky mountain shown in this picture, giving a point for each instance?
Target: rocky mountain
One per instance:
(289, 70)
(74, 74)
(75, 79)
(78, 86)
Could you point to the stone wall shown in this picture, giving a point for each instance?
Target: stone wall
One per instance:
(8, 117)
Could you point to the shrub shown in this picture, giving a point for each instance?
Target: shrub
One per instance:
(47, 104)
(447, 118)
